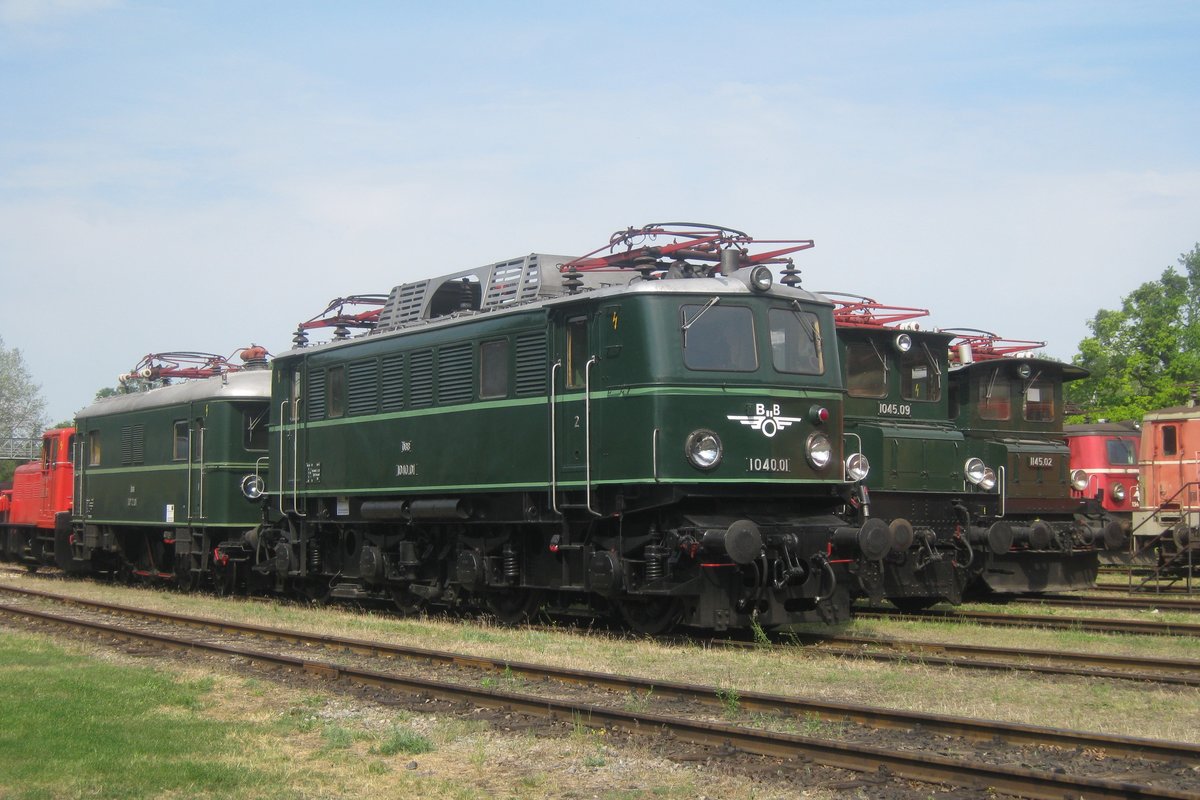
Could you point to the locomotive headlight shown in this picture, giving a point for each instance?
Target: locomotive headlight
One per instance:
(253, 487)
(818, 450)
(1079, 479)
(857, 467)
(902, 342)
(988, 481)
(703, 449)
(975, 469)
(761, 278)
(1118, 492)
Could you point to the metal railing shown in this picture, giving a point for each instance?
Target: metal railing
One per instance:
(19, 448)
(1171, 561)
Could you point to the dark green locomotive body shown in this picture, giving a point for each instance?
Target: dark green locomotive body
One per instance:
(160, 475)
(897, 406)
(1010, 410)
(671, 448)
(473, 406)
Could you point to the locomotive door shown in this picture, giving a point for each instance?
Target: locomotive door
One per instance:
(50, 458)
(196, 455)
(572, 374)
(291, 444)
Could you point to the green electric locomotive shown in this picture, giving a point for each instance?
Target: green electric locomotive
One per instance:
(654, 430)
(1009, 405)
(897, 406)
(162, 475)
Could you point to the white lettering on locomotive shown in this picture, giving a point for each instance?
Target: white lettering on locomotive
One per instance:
(895, 409)
(767, 418)
(1041, 462)
(768, 464)
(406, 470)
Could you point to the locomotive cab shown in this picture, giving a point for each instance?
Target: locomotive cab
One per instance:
(1104, 465)
(1166, 524)
(40, 502)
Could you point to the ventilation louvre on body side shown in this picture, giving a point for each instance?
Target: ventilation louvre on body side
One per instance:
(455, 373)
(363, 390)
(531, 364)
(316, 394)
(391, 383)
(420, 390)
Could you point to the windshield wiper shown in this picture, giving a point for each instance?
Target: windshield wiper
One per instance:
(814, 334)
(689, 323)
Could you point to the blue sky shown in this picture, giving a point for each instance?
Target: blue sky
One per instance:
(200, 175)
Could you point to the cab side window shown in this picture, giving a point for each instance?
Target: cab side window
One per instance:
(577, 352)
(181, 441)
(493, 369)
(1170, 440)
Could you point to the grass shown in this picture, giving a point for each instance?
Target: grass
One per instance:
(75, 727)
(81, 721)
(403, 740)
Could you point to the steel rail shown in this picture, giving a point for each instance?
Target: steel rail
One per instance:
(1173, 671)
(1131, 602)
(870, 716)
(922, 766)
(1039, 621)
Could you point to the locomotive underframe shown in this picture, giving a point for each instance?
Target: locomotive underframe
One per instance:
(964, 544)
(665, 562)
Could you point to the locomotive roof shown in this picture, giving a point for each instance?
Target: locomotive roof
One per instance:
(1110, 428)
(1070, 372)
(409, 305)
(1174, 412)
(251, 384)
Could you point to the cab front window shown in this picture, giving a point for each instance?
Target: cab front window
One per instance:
(920, 375)
(1121, 452)
(995, 399)
(866, 371)
(1039, 401)
(718, 338)
(796, 341)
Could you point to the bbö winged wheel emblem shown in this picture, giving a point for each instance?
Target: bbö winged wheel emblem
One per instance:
(766, 419)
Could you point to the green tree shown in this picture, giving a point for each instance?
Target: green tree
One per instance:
(22, 409)
(1146, 355)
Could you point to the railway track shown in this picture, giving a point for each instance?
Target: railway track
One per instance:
(1091, 625)
(922, 765)
(1134, 602)
(1178, 672)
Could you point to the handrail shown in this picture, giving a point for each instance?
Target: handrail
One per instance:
(554, 439)
(587, 435)
(201, 473)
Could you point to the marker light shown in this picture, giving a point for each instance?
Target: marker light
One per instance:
(857, 467)
(1079, 479)
(1118, 492)
(761, 278)
(975, 469)
(903, 342)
